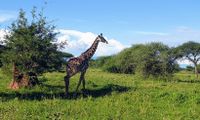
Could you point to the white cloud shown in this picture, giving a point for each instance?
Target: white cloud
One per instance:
(78, 42)
(113, 47)
(2, 34)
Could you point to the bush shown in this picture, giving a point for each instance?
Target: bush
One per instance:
(99, 62)
(189, 68)
(123, 62)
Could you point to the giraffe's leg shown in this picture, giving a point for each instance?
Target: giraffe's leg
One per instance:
(66, 79)
(83, 81)
(79, 82)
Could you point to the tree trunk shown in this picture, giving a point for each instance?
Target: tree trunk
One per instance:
(196, 70)
(22, 80)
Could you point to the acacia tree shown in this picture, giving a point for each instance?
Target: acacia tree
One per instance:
(190, 51)
(30, 48)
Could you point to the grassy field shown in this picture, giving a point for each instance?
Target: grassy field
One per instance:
(108, 96)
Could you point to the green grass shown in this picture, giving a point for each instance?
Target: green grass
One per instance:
(108, 96)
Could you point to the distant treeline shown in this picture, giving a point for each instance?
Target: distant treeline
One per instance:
(153, 59)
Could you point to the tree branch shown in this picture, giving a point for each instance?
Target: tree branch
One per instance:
(190, 59)
(198, 59)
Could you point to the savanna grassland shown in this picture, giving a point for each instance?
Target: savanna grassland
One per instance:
(108, 96)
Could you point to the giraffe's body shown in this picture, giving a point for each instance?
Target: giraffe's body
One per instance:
(81, 64)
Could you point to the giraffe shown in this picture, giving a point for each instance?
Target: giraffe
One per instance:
(81, 64)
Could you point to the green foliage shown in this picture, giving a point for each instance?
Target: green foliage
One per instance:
(30, 44)
(100, 61)
(190, 51)
(154, 59)
(189, 68)
(66, 55)
(2, 48)
(198, 68)
(108, 96)
(124, 62)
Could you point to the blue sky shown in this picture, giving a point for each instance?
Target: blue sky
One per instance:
(124, 22)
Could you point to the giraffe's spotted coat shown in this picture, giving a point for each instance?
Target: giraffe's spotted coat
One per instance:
(81, 63)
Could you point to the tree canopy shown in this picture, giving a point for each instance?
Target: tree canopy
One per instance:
(30, 45)
(190, 51)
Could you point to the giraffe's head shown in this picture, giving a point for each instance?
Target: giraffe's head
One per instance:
(101, 38)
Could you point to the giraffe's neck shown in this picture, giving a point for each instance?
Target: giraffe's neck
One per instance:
(90, 52)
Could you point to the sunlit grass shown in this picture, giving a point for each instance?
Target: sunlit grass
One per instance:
(108, 96)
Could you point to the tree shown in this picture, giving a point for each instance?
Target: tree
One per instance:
(190, 51)
(154, 59)
(30, 47)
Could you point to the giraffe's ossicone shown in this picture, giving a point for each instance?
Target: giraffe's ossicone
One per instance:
(81, 63)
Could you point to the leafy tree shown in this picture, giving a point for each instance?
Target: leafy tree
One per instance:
(154, 59)
(66, 55)
(190, 51)
(2, 48)
(30, 45)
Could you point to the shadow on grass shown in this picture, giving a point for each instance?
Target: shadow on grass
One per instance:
(106, 90)
(189, 81)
